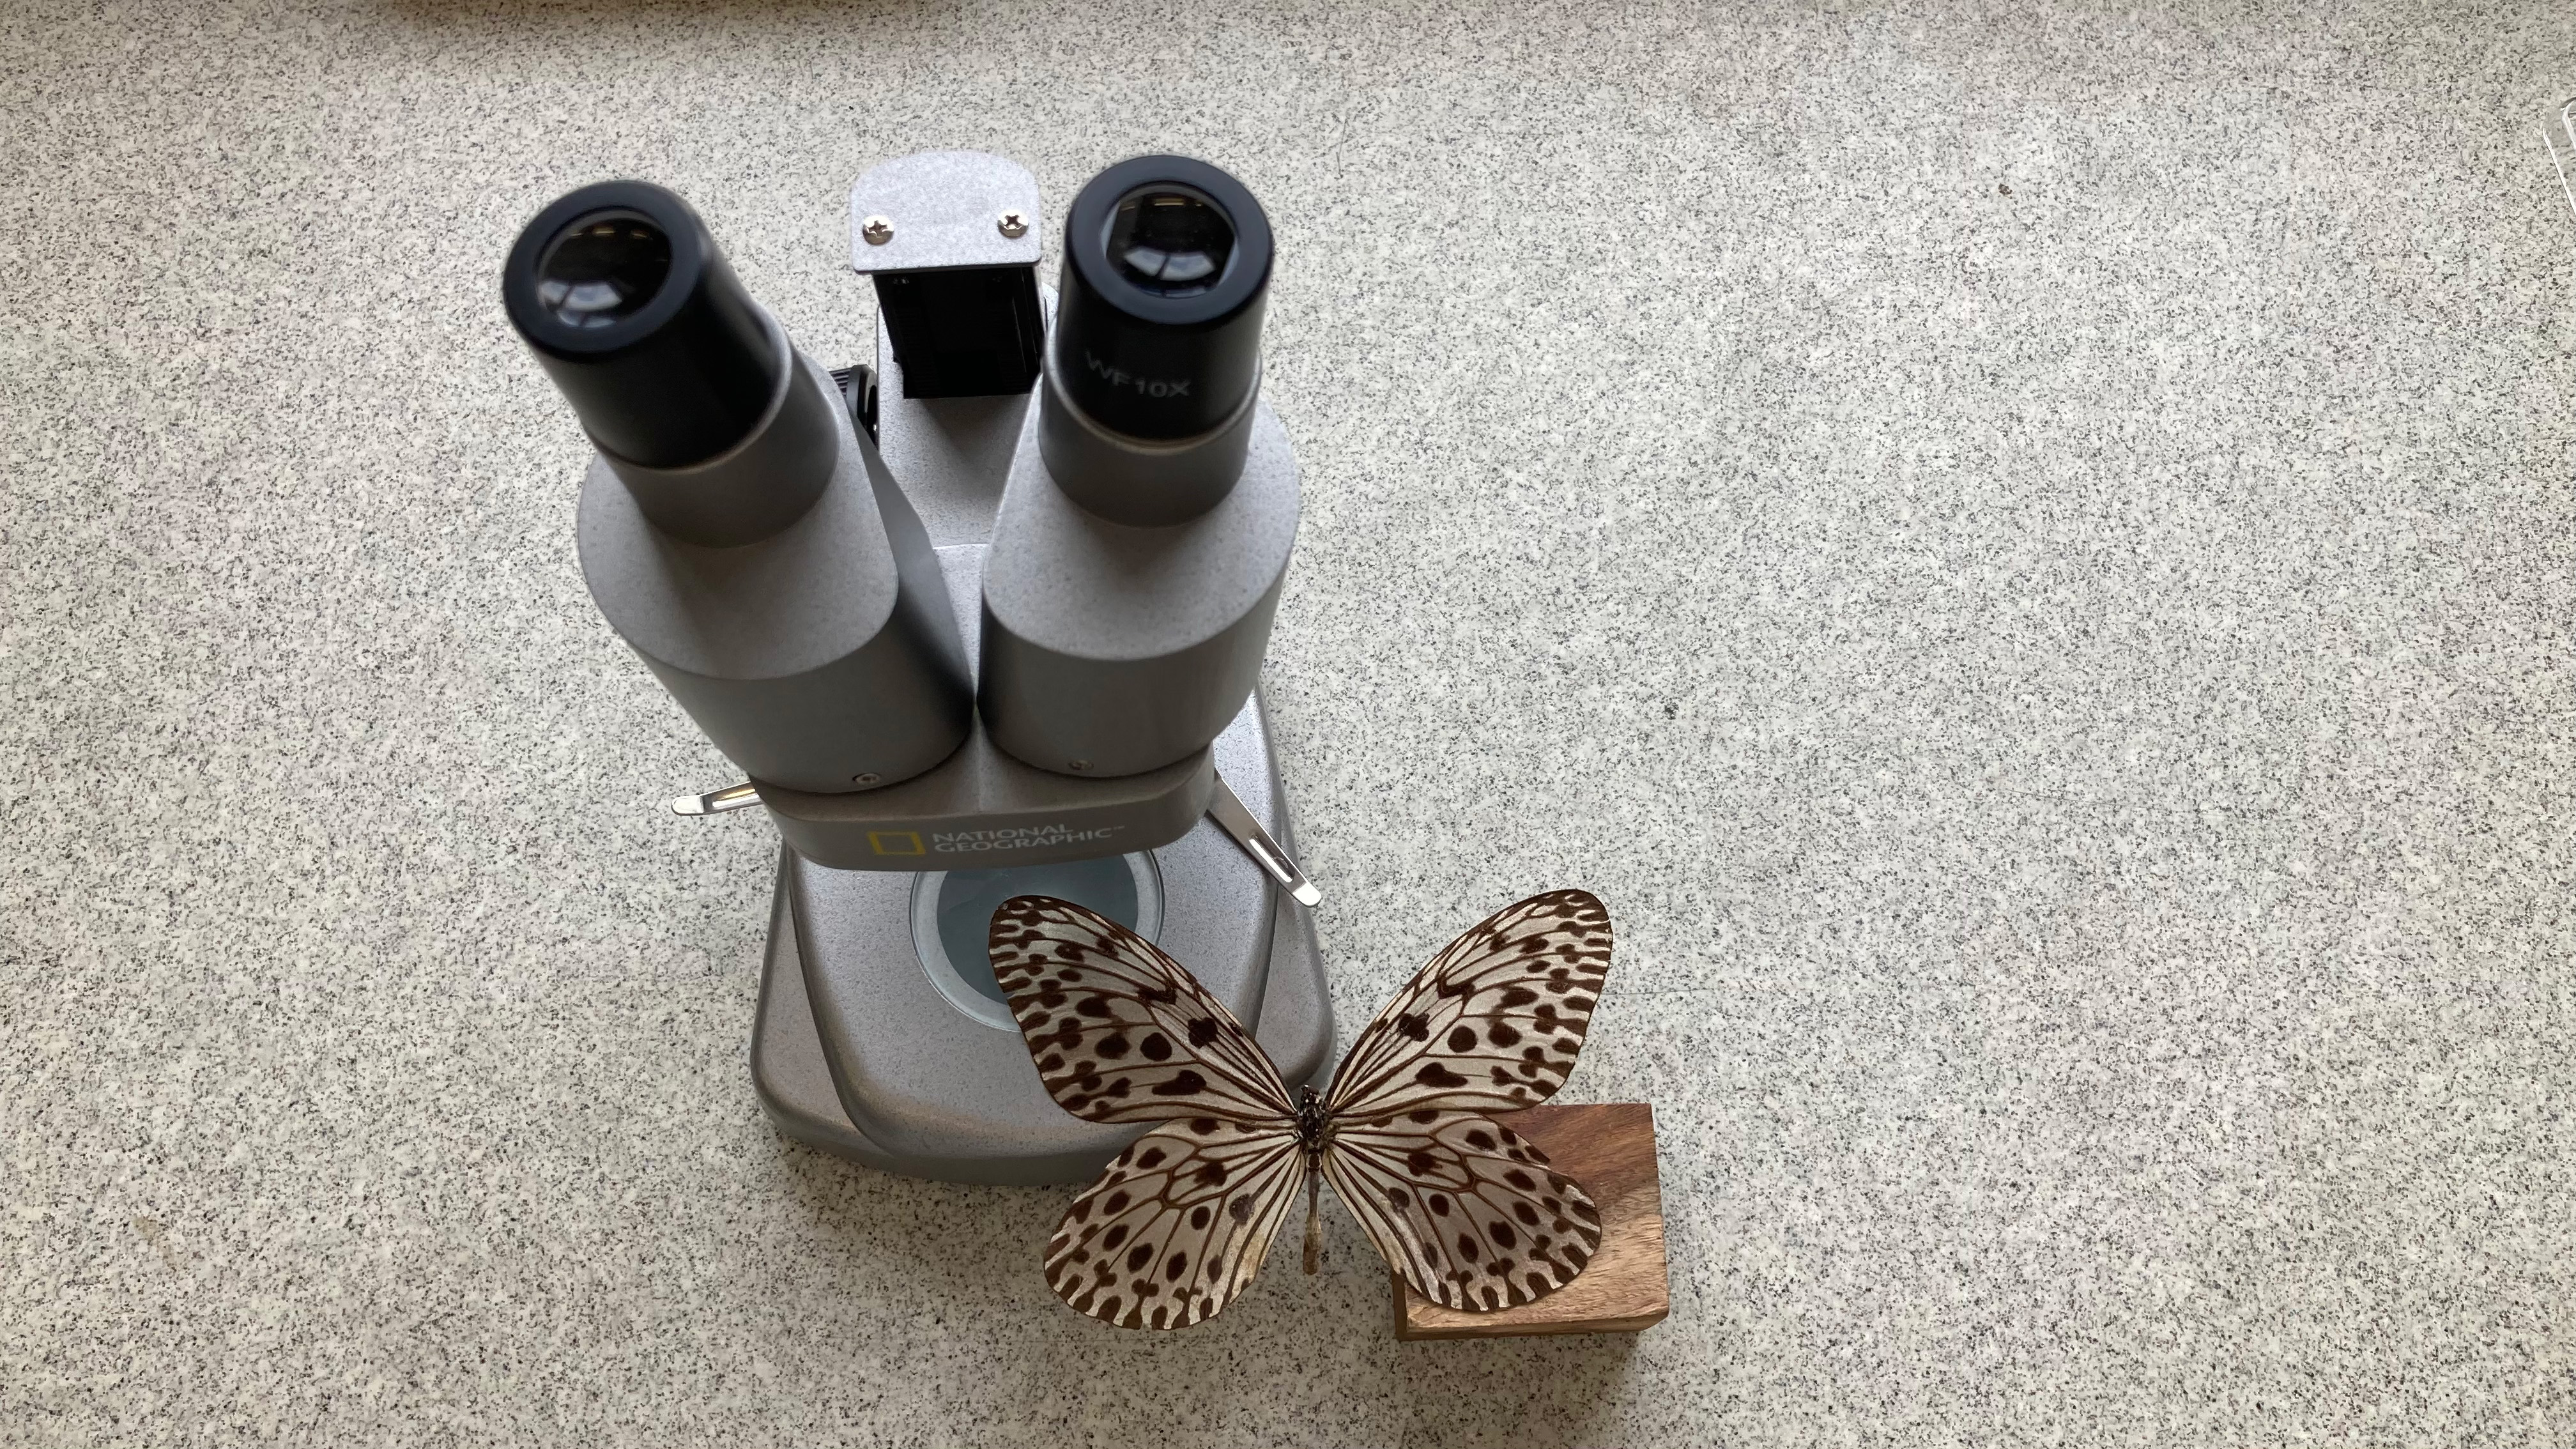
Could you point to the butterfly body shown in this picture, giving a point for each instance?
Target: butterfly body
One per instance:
(1465, 1210)
(1314, 1127)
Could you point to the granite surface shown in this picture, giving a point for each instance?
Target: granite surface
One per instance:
(2025, 548)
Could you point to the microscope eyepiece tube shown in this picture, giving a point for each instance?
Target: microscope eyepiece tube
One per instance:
(1132, 578)
(736, 529)
(1156, 357)
(621, 292)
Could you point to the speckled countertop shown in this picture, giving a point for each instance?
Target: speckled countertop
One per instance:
(2025, 549)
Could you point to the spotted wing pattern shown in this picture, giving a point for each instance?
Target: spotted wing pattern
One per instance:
(1493, 1023)
(1468, 1211)
(1119, 1032)
(1177, 1224)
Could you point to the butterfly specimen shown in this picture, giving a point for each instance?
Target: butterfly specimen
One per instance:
(1468, 1212)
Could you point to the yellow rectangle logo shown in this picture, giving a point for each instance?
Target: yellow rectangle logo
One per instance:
(895, 842)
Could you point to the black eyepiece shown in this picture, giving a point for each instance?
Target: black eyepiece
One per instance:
(634, 313)
(1166, 270)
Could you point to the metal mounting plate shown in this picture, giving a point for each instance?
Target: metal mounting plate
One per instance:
(944, 209)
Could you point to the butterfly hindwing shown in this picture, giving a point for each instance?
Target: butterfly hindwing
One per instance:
(1467, 1210)
(1493, 1023)
(1178, 1223)
(1119, 1032)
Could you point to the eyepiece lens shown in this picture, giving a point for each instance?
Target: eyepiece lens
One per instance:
(603, 269)
(1169, 240)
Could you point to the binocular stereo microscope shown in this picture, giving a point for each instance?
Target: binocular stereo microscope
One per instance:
(985, 619)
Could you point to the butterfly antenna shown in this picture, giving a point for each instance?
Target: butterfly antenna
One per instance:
(1314, 1223)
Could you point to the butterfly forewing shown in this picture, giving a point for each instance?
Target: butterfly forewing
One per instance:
(1178, 1223)
(1119, 1032)
(1465, 1209)
(1493, 1023)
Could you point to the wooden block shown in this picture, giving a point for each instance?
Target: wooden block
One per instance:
(1610, 1149)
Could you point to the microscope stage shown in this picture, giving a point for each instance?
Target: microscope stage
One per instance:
(859, 1030)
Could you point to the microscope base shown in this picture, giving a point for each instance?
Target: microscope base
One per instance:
(857, 1050)
(795, 1082)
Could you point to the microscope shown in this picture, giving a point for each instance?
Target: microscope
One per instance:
(982, 618)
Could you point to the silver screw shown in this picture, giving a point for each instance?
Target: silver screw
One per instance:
(1077, 764)
(1014, 224)
(868, 777)
(877, 230)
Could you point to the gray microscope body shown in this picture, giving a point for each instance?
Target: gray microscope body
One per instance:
(993, 644)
